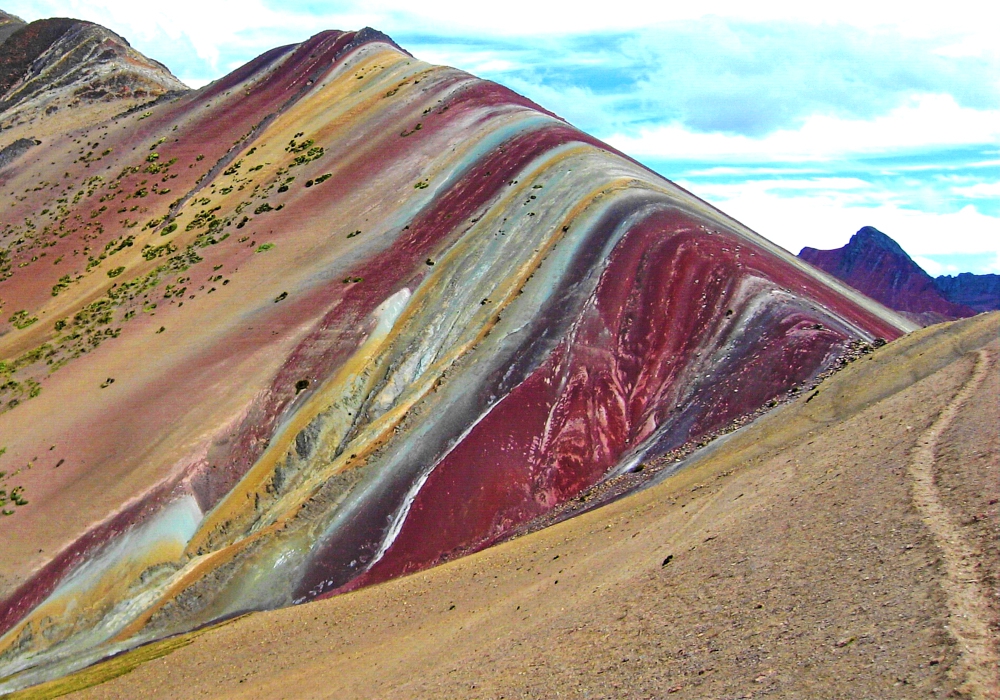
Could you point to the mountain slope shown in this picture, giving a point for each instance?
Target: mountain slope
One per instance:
(54, 64)
(342, 315)
(876, 265)
(8, 25)
(789, 562)
(978, 292)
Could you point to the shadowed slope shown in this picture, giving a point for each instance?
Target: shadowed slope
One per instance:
(27, 44)
(978, 292)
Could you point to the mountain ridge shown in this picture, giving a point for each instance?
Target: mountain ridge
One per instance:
(8, 25)
(978, 292)
(877, 265)
(259, 340)
(57, 63)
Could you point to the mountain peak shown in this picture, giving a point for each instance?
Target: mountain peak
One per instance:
(50, 64)
(870, 237)
(6, 18)
(877, 265)
(9, 24)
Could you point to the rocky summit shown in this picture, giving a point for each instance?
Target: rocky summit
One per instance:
(57, 64)
(876, 265)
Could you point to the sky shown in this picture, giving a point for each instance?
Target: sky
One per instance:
(805, 121)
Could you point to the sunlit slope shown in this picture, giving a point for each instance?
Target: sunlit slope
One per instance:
(771, 544)
(340, 315)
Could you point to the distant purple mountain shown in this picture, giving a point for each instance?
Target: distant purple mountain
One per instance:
(876, 265)
(979, 292)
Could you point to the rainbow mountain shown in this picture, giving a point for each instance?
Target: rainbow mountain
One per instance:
(339, 316)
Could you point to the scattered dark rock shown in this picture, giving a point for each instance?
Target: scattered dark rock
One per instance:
(15, 150)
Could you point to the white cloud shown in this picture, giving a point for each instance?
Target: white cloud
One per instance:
(946, 166)
(204, 24)
(927, 121)
(963, 18)
(199, 41)
(984, 264)
(733, 170)
(983, 190)
(932, 267)
(827, 217)
(478, 62)
(970, 24)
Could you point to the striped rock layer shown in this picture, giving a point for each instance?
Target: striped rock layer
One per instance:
(58, 64)
(339, 316)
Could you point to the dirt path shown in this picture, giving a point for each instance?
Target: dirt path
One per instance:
(967, 604)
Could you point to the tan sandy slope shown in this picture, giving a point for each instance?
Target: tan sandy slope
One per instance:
(800, 558)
